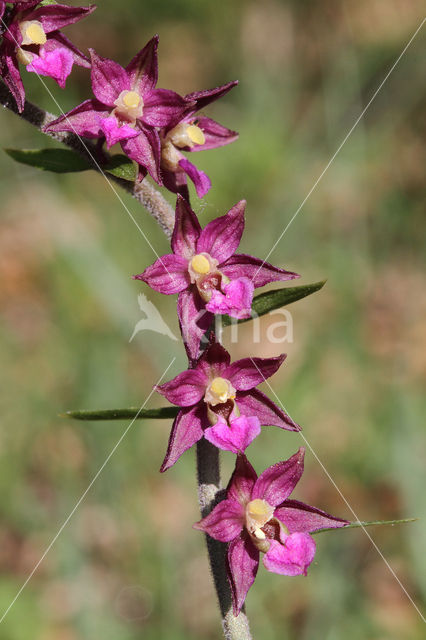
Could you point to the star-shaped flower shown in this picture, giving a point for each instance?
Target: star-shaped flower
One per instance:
(33, 38)
(193, 133)
(220, 401)
(258, 517)
(208, 275)
(127, 108)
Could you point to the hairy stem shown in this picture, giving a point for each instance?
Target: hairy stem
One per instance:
(143, 192)
(209, 494)
(209, 484)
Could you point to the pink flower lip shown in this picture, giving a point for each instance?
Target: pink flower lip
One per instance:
(114, 131)
(56, 64)
(235, 301)
(235, 436)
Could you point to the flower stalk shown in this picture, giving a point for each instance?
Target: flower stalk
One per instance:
(210, 493)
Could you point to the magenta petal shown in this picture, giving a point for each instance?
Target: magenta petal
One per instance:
(82, 120)
(168, 274)
(214, 360)
(292, 558)
(224, 523)
(194, 320)
(142, 173)
(56, 16)
(186, 230)
(163, 107)
(276, 483)
(249, 372)
(243, 563)
(203, 98)
(200, 179)
(259, 272)
(256, 403)
(242, 481)
(56, 64)
(109, 79)
(11, 76)
(303, 518)
(57, 39)
(216, 135)
(222, 236)
(13, 35)
(176, 182)
(186, 389)
(236, 301)
(237, 436)
(145, 149)
(143, 69)
(187, 429)
(114, 132)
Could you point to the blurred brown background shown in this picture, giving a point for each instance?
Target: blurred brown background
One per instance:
(128, 565)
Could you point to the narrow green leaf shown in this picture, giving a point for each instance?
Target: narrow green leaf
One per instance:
(270, 300)
(121, 167)
(56, 160)
(123, 414)
(371, 523)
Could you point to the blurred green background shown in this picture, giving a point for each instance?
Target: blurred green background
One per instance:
(128, 565)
